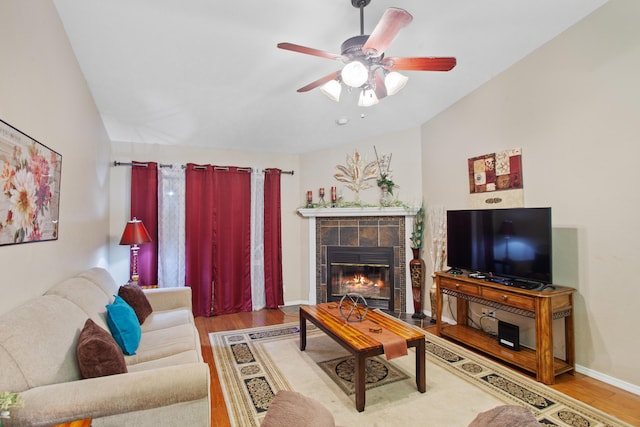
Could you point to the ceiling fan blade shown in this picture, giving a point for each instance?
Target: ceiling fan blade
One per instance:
(392, 21)
(308, 51)
(319, 82)
(381, 89)
(420, 64)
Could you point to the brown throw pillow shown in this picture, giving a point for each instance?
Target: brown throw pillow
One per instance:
(135, 297)
(98, 353)
(289, 408)
(506, 416)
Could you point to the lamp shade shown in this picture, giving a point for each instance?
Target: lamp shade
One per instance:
(394, 82)
(367, 98)
(135, 233)
(332, 89)
(355, 74)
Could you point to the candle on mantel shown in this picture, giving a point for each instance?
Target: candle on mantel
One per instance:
(321, 191)
(333, 194)
(309, 196)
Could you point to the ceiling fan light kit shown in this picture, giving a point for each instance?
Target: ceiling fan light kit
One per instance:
(355, 74)
(332, 89)
(367, 98)
(394, 82)
(365, 67)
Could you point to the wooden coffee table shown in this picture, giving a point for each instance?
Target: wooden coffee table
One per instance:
(362, 346)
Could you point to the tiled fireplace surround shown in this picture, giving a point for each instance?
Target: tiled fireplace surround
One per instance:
(370, 227)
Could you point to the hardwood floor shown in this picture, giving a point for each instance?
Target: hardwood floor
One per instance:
(619, 403)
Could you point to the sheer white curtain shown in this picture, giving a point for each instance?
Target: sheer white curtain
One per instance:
(171, 225)
(258, 299)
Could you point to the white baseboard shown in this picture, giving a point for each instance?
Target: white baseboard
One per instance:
(300, 302)
(632, 388)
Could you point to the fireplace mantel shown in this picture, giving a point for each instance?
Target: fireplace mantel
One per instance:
(408, 215)
(349, 212)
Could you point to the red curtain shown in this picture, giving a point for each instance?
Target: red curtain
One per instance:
(199, 237)
(217, 235)
(272, 239)
(144, 206)
(231, 240)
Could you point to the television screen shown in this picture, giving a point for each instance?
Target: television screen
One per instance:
(511, 243)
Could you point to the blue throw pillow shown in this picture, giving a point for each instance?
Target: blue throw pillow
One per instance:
(124, 325)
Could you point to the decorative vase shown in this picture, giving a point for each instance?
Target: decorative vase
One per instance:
(385, 197)
(416, 269)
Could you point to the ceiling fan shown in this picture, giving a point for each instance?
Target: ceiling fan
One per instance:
(366, 67)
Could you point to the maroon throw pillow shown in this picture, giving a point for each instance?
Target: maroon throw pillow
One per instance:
(98, 353)
(135, 297)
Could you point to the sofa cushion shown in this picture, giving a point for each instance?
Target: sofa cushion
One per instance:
(183, 358)
(85, 294)
(134, 296)
(165, 342)
(98, 353)
(289, 408)
(124, 325)
(102, 278)
(167, 319)
(38, 341)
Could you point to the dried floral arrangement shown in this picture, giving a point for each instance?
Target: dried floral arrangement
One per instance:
(438, 233)
(357, 173)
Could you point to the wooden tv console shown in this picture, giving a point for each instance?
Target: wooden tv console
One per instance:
(543, 306)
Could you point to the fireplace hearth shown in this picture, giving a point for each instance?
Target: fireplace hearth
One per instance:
(367, 271)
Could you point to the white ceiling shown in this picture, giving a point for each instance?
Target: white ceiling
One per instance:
(208, 73)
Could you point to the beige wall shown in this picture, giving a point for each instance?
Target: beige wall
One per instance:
(43, 94)
(318, 167)
(120, 198)
(573, 107)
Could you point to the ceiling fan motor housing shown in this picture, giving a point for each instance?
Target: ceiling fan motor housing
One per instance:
(352, 48)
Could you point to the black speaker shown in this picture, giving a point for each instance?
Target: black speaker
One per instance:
(508, 335)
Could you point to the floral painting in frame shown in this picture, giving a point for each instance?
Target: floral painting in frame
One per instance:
(30, 179)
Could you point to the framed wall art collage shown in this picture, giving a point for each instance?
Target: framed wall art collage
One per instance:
(495, 180)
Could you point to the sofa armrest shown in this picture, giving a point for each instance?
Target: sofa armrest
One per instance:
(112, 395)
(169, 298)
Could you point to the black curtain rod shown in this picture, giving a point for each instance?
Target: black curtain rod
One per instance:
(117, 163)
(282, 172)
(144, 165)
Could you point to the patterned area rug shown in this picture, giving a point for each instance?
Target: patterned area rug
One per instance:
(253, 364)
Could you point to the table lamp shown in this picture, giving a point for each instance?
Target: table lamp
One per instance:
(134, 234)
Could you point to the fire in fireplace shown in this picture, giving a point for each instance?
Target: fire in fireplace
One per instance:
(367, 271)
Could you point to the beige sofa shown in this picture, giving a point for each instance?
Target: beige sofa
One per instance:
(167, 383)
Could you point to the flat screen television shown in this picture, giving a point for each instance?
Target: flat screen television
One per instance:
(510, 243)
